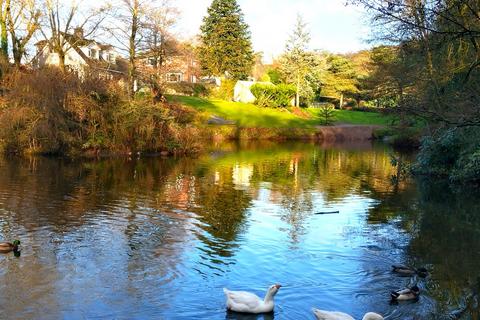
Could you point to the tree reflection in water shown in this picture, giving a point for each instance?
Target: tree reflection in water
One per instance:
(142, 229)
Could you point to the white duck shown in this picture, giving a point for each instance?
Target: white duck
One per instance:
(333, 315)
(246, 302)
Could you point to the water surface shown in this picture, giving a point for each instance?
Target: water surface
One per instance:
(154, 238)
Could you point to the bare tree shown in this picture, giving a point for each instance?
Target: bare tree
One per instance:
(159, 40)
(126, 28)
(62, 20)
(23, 21)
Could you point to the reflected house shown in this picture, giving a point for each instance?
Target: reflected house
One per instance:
(181, 192)
(241, 175)
(81, 54)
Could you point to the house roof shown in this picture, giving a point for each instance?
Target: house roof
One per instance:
(76, 44)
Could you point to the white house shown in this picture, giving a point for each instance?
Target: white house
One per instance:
(81, 53)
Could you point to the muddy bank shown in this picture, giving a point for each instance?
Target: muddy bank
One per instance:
(324, 134)
(346, 133)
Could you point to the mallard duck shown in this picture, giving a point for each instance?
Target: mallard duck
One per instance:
(246, 302)
(409, 271)
(6, 247)
(406, 294)
(333, 315)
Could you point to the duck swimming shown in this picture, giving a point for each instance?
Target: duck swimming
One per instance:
(409, 271)
(333, 315)
(406, 294)
(6, 247)
(246, 302)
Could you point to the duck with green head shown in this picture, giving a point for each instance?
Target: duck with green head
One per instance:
(6, 247)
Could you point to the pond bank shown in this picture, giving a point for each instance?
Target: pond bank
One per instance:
(337, 133)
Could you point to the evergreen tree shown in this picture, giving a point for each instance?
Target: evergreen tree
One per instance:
(297, 64)
(226, 47)
(340, 78)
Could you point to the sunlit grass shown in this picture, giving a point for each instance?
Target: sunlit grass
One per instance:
(356, 117)
(249, 115)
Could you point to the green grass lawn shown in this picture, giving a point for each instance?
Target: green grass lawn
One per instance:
(249, 115)
(356, 117)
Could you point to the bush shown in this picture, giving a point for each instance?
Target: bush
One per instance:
(275, 76)
(187, 89)
(273, 95)
(467, 167)
(225, 91)
(50, 112)
(452, 153)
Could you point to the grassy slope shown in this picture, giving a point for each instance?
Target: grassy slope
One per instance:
(249, 115)
(357, 117)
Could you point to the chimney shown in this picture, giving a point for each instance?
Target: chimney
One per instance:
(78, 32)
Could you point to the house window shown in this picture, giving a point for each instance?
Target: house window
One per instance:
(92, 53)
(174, 77)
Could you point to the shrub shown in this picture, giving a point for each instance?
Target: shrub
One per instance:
(224, 91)
(187, 89)
(50, 112)
(452, 153)
(273, 95)
(327, 113)
(467, 167)
(275, 76)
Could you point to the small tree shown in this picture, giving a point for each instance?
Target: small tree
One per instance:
(297, 63)
(226, 47)
(327, 114)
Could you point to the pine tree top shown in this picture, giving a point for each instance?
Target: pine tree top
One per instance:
(226, 43)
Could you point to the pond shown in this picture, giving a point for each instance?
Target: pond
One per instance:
(153, 238)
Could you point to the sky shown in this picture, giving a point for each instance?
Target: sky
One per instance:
(333, 26)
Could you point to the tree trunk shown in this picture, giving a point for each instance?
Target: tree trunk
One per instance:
(131, 60)
(297, 95)
(341, 101)
(17, 50)
(132, 48)
(3, 26)
(17, 56)
(61, 61)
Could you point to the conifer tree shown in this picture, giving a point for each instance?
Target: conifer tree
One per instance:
(297, 64)
(226, 47)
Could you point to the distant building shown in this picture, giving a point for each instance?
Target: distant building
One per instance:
(81, 53)
(179, 66)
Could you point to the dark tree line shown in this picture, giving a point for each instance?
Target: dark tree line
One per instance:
(437, 56)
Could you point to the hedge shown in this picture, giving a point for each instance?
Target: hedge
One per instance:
(269, 95)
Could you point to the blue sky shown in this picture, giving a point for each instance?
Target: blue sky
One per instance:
(333, 26)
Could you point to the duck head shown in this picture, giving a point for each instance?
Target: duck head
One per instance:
(319, 314)
(422, 272)
(16, 243)
(272, 291)
(372, 316)
(415, 290)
